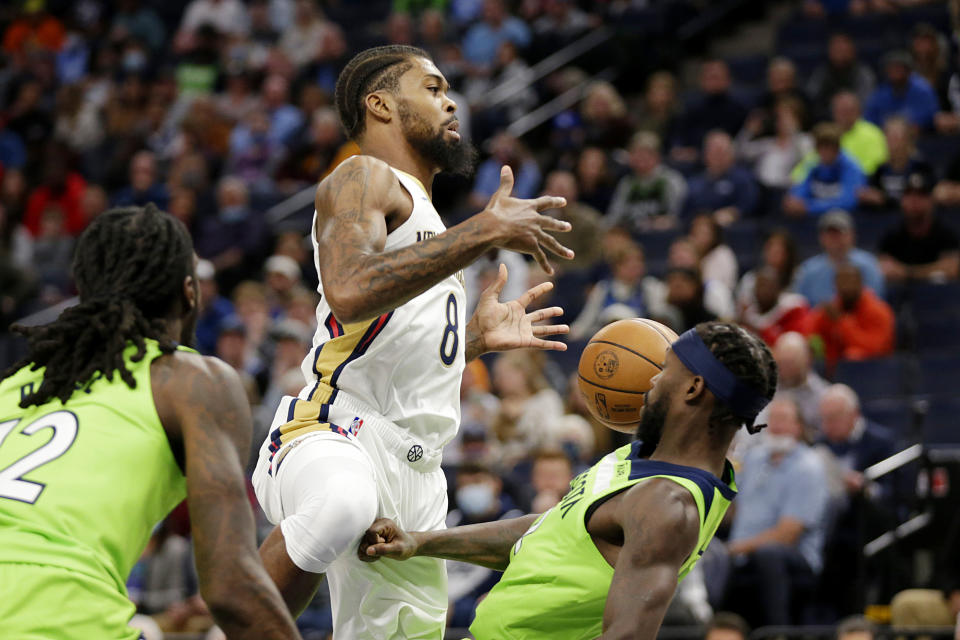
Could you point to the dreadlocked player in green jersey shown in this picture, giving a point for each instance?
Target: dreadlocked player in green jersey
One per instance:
(105, 426)
(606, 560)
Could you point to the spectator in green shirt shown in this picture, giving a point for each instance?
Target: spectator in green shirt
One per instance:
(862, 140)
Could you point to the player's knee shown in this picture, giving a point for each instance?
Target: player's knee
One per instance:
(331, 523)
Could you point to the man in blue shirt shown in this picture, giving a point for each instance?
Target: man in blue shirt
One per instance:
(832, 183)
(144, 186)
(815, 276)
(723, 189)
(483, 39)
(904, 94)
(776, 541)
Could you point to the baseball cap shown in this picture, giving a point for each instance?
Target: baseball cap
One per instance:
(205, 270)
(284, 265)
(837, 219)
(290, 329)
(233, 324)
(919, 182)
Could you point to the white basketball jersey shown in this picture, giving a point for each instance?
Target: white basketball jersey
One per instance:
(407, 363)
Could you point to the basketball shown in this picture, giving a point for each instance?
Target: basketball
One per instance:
(616, 367)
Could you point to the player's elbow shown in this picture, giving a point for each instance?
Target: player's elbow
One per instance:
(348, 304)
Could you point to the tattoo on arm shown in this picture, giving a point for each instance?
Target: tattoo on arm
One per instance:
(364, 281)
(216, 429)
(487, 544)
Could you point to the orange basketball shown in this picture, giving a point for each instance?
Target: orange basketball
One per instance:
(616, 368)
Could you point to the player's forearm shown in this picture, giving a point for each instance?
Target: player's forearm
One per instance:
(373, 284)
(487, 544)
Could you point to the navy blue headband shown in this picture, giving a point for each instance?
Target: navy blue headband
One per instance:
(743, 399)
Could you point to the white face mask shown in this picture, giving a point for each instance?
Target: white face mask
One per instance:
(777, 443)
(475, 499)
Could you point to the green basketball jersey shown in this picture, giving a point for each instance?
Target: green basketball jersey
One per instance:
(83, 484)
(557, 581)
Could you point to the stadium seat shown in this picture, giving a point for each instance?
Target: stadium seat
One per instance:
(895, 414)
(750, 70)
(927, 299)
(942, 426)
(656, 244)
(877, 378)
(940, 331)
(744, 238)
(939, 375)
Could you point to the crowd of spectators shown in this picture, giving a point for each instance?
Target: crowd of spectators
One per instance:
(805, 203)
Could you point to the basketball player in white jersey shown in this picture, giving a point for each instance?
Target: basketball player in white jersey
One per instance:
(363, 438)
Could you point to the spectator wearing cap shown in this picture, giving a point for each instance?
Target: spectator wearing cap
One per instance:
(726, 191)
(232, 348)
(282, 278)
(777, 535)
(855, 324)
(291, 340)
(832, 183)
(922, 247)
(213, 308)
(649, 197)
(773, 311)
(887, 184)
(841, 72)
(904, 93)
(815, 276)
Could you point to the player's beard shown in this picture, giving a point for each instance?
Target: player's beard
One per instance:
(451, 156)
(652, 421)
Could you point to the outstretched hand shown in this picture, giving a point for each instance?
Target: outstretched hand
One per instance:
(500, 326)
(384, 538)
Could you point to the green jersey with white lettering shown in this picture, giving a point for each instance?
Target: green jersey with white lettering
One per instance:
(557, 581)
(82, 485)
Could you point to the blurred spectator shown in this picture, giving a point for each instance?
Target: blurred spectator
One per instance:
(140, 23)
(550, 479)
(509, 68)
(234, 238)
(831, 184)
(479, 497)
(659, 112)
(561, 23)
(199, 66)
(586, 221)
(604, 115)
(53, 253)
(861, 139)
(13, 155)
(291, 339)
(254, 153)
(727, 626)
(904, 93)
(773, 311)
(478, 408)
(60, 187)
(713, 108)
(947, 191)
(776, 540)
(595, 178)
(685, 291)
(17, 284)
(33, 29)
(144, 185)
(282, 279)
(922, 247)
(717, 261)
(797, 379)
(482, 272)
(311, 37)
(26, 117)
(628, 293)
(927, 607)
(815, 276)
(79, 122)
(214, 308)
(930, 52)
(726, 191)
(887, 184)
(856, 628)
(774, 157)
(483, 39)
(854, 443)
(310, 160)
(506, 150)
(781, 85)
(232, 348)
(856, 324)
(651, 196)
(529, 409)
(841, 72)
(779, 252)
(237, 101)
(285, 118)
(717, 296)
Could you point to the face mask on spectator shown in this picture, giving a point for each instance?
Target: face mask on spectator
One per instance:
(475, 499)
(134, 60)
(777, 443)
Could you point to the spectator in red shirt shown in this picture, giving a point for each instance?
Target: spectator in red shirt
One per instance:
(772, 311)
(856, 324)
(34, 29)
(62, 188)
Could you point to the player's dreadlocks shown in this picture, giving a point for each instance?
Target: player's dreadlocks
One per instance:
(129, 268)
(747, 357)
(371, 70)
